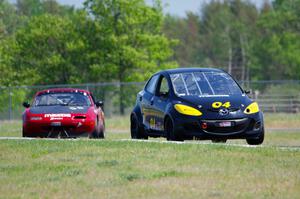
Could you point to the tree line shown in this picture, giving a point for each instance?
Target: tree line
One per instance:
(43, 42)
(250, 43)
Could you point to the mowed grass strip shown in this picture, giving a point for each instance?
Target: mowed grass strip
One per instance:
(121, 124)
(125, 169)
(117, 127)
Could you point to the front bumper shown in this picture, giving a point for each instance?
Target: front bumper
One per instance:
(201, 128)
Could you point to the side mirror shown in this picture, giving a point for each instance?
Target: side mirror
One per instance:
(247, 92)
(164, 94)
(26, 104)
(99, 104)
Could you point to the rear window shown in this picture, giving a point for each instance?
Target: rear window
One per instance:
(63, 98)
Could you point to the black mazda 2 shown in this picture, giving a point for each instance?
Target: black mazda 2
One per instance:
(196, 103)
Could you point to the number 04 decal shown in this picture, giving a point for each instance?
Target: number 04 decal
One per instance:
(220, 104)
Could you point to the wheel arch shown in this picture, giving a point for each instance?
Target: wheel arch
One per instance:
(167, 116)
(137, 111)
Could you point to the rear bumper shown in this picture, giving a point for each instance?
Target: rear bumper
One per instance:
(73, 128)
(240, 128)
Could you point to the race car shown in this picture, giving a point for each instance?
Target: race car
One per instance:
(196, 103)
(65, 113)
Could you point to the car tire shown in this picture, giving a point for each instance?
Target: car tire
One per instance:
(24, 134)
(101, 135)
(259, 140)
(94, 135)
(172, 134)
(137, 130)
(97, 134)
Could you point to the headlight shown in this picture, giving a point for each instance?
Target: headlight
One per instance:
(252, 108)
(187, 110)
(36, 118)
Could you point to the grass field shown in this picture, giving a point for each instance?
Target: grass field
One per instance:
(115, 168)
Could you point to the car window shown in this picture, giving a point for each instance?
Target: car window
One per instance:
(151, 85)
(204, 84)
(164, 87)
(93, 99)
(62, 98)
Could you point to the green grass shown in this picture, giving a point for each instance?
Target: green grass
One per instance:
(281, 120)
(118, 127)
(123, 169)
(112, 168)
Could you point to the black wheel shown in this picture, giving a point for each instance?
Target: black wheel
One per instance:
(94, 135)
(172, 135)
(137, 130)
(24, 134)
(101, 134)
(258, 140)
(219, 141)
(97, 134)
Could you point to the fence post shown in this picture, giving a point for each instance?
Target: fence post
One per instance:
(10, 103)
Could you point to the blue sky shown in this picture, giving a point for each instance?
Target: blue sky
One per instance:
(174, 7)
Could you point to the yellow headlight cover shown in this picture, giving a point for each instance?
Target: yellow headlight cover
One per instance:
(252, 108)
(187, 110)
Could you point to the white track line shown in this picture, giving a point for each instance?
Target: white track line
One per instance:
(290, 148)
(293, 148)
(27, 138)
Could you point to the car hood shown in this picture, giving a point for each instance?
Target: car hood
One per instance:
(59, 109)
(207, 101)
(237, 105)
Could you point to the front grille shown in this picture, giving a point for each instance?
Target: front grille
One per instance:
(238, 125)
(193, 126)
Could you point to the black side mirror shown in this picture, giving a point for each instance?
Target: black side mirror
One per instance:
(26, 104)
(163, 94)
(99, 103)
(247, 92)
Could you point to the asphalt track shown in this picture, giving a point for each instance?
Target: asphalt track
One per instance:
(289, 148)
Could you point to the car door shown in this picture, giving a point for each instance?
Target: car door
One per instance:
(146, 101)
(160, 102)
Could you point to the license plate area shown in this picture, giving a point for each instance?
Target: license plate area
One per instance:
(55, 123)
(225, 124)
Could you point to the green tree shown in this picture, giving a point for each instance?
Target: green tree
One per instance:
(228, 29)
(278, 45)
(185, 30)
(29, 7)
(49, 50)
(134, 45)
(9, 20)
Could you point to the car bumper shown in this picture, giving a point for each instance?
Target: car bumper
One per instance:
(53, 128)
(239, 128)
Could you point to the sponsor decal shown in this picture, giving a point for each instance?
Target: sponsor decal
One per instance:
(60, 115)
(56, 118)
(75, 108)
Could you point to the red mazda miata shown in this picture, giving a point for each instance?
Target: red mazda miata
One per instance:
(63, 112)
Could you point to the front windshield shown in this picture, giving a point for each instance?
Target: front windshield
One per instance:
(64, 99)
(204, 84)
